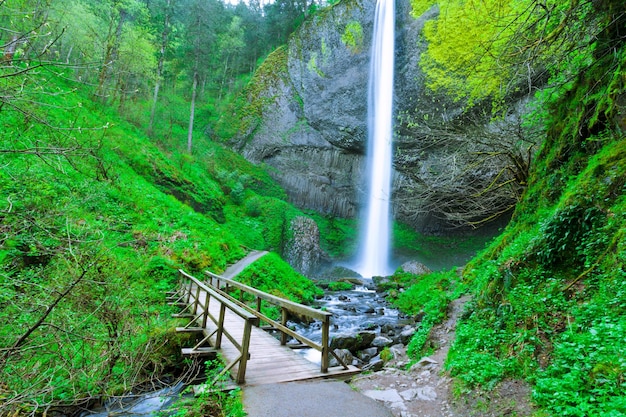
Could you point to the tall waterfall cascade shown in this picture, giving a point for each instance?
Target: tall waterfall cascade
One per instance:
(374, 253)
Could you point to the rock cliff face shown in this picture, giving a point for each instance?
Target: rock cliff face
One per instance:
(307, 117)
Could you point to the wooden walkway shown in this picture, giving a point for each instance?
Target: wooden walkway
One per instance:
(269, 360)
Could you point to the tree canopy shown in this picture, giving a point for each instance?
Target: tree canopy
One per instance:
(491, 49)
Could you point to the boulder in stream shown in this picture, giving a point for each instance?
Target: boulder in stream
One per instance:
(381, 342)
(344, 354)
(353, 342)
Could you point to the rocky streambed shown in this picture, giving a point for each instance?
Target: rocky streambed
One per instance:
(363, 325)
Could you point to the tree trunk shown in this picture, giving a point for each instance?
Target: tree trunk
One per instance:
(224, 76)
(110, 56)
(192, 111)
(157, 84)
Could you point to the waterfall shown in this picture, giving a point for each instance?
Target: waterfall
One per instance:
(373, 257)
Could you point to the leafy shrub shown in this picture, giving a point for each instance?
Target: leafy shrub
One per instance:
(386, 354)
(253, 207)
(566, 234)
(340, 286)
(273, 275)
(428, 296)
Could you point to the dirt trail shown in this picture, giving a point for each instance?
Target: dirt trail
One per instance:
(426, 390)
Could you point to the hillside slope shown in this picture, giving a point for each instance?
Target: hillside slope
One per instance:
(550, 292)
(95, 218)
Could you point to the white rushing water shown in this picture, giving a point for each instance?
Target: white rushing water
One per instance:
(373, 257)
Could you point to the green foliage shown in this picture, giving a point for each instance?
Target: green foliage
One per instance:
(486, 50)
(340, 286)
(95, 217)
(214, 398)
(464, 44)
(386, 354)
(109, 216)
(244, 115)
(337, 236)
(589, 361)
(263, 222)
(352, 37)
(549, 292)
(419, 7)
(274, 276)
(427, 297)
(437, 251)
(568, 233)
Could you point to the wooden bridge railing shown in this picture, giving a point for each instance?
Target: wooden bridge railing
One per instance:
(224, 285)
(196, 296)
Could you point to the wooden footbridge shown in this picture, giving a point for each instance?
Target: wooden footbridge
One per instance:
(218, 309)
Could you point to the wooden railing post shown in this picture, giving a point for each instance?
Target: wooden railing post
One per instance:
(258, 309)
(188, 289)
(245, 348)
(207, 303)
(325, 343)
(197, 300)
(205, 313)
(283, 320)
(220, 326)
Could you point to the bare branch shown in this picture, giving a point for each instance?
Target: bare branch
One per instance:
(41, 319)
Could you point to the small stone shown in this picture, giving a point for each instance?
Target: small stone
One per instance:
(406, 335)
(381, 342)
(409, 394)
(426, 393)
(425, 362)
(367, 354)
(388, 395)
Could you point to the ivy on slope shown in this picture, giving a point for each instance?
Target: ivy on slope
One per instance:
(550, 292)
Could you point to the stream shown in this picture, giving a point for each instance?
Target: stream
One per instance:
(360, 309)
(139, 405)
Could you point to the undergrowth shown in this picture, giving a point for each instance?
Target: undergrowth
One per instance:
(426, 298)
(549, 293)
(273, 275)
(215, 398)
(94, 223)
